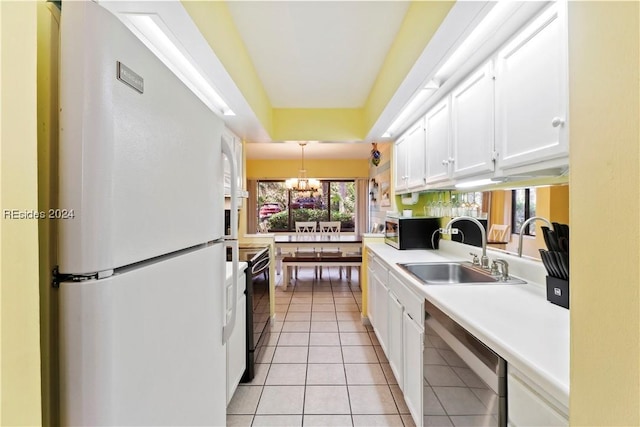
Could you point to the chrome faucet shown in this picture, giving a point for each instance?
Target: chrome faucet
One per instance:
(483, 235)
(505, 268)
(524, 225)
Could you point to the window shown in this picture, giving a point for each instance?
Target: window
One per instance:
(281, 208)
(523, 207)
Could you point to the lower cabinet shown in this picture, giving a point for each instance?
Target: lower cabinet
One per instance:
(398, 316)
(382, 314)
(236, 347)
(529, 405)
(413, 338)
(371, 291)
(396, 346)
(377, 300)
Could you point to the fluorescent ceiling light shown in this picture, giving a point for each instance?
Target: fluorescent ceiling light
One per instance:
(478, 35)
(477, 183)
(158, 38)
(409, 110)
(483, 30)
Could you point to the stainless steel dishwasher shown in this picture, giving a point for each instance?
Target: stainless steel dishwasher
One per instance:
(465, 381)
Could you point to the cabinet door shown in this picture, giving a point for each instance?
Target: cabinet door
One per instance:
(527, 407)
(382, 317)
(532, 94)
(472, 121)
(237, 148)
(239, 162)
(416, 162)
(400, 159)
(237, 348)
(437, 133)
(371, 294)
(396, 348)
(413, 337)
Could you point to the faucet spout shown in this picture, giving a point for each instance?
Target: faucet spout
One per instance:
(524, 225)
(483, 235)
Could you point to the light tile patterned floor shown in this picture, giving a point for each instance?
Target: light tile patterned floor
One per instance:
(321, 367)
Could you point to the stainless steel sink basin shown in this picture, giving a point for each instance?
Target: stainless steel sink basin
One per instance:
(453, 273)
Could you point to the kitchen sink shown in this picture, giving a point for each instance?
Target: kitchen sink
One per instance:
(453, 273)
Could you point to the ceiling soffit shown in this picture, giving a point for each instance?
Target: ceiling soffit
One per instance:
(215, 21)
(318, 54)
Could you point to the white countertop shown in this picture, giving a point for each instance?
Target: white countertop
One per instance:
(516, 321)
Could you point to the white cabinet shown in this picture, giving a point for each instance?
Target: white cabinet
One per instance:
(437, 127)
(396, 347)
(532, 92)
(236, 346)
(405, 349)
(401, 170)
(530, 405)
(413, 338)
(472, 124)
(371, 291)
(410, 159)
(237, 146)
(378, 302)
(382, 314)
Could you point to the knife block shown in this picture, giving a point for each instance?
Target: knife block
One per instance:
(558, 291)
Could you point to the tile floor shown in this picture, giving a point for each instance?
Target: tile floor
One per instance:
(321, 366)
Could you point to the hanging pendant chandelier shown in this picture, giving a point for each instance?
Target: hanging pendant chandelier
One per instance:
(302, 183)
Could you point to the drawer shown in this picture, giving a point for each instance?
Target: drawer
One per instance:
(380, 271)
(413, 304)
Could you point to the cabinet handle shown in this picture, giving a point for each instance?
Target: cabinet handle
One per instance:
(445, 162)
(451, 160)
(557, 121)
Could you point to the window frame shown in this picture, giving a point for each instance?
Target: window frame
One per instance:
(327, 197)
(527, 211)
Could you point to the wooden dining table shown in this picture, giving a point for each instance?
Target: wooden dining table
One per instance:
(290, 243)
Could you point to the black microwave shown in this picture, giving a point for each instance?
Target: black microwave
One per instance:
(412, 232)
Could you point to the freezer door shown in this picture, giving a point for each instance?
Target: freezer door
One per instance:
(142, 170)
(145, 347)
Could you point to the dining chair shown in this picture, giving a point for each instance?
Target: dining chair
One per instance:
(327, 230)
(498, 235)
(305, 229)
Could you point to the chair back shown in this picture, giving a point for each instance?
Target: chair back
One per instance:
(499, 233)
(303, 227)
(329, 227)
(263, 227)
(377, 228)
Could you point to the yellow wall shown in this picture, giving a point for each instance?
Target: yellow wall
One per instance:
(48, 29)
(18, 180)
(552, 203)
(420, 23)
(339, 124)
(316, 168)
(216, 24)
(605, 178)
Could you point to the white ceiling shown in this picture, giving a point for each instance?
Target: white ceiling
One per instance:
(313, 150)
(318, 54)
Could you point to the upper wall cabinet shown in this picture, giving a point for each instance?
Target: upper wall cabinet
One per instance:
(472, 124)
(437, 130)
(237, 144)
(410, 159)
(532, 93)
(507, 117)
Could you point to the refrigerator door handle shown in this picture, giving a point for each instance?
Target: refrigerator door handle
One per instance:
(228, 150)
(227, 329)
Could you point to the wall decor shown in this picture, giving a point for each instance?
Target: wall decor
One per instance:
(376, 156)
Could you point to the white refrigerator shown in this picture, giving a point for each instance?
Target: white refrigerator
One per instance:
(142, 262)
